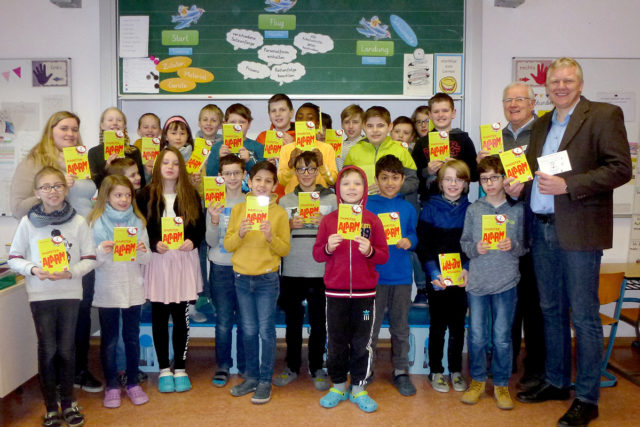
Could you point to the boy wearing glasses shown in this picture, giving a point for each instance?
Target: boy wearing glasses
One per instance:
(492, 283)
(302, 275)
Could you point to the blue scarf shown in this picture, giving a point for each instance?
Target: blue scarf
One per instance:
(110, 218)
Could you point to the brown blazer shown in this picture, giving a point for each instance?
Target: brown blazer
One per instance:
(596, 141)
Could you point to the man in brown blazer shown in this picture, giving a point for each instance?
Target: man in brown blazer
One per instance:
(572, 223)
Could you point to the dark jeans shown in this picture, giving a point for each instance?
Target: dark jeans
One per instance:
(568, 285)
(55, 322)
(294, 290)
(223, 292)
(83, 327)
(109, 332)
(179, 312)
(349, 331)
(396, 299)
(447, 309)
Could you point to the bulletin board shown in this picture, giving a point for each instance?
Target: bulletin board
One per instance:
(305, 47)
(32, 90)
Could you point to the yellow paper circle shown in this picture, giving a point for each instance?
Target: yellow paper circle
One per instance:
(197, 75)
(177, 84)
(173, 63)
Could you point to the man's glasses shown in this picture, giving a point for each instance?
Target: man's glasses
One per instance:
(493, 178)
(518, 100)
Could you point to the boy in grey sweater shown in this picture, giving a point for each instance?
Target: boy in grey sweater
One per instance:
(493, 277)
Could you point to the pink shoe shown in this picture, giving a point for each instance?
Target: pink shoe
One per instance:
(112, 398)
(137, 395)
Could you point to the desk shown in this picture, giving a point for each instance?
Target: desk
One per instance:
(632, 274)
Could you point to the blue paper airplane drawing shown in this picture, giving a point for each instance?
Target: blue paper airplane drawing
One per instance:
(279, 6)
(374, 28)
(187, 16)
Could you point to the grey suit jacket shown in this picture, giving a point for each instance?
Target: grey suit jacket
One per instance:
(596, 141)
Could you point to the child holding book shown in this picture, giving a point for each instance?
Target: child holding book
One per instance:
(149, 126)
(350, 280)
(352, 118)
(302, 275)
(119, 290)
(54, 297)
(439, 231)
(210, 122)
(403, 132)
(256, 259)
(221, 277)
(393, 293)
(493, 278)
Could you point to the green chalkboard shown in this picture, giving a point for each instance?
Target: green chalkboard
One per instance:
(347, 61)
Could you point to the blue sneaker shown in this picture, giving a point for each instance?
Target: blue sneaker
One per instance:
(166, 384)
(182, 383)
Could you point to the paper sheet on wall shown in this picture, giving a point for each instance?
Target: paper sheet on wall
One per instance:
(134, 36)
(54, 103)
(624, 100)
(139, 75)
(25, 116)
(418, 74)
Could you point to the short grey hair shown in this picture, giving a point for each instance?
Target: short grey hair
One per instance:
(515, 84)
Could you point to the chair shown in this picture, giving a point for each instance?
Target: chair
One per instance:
(631, 315)
(612, 286)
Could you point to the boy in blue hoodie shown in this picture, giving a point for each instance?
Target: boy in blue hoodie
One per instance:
(393, 292)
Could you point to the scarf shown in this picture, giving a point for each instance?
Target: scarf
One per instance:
(39, 218)
(110, 218)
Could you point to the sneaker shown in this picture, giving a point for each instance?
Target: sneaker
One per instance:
(245, 387)
(458, 382)
(52, 419)
(321, 380)
(72, 416)
(404, 385)
(112, 398)
(137, 395)
(421, 300)
(503, 398)
(262, 393)
(472, 395)
(181, 382)
(122, 379)
(286, 377)
(87, 382)
(439, 383)
(195, 315)
(166, 383)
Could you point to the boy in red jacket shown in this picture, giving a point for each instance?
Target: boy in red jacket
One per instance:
(350, 279)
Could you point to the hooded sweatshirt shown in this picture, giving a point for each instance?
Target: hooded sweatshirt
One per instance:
(348, 273)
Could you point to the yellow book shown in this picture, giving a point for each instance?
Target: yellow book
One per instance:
(305, 135)
(76, 161)
(349, 220)
(200, 143)
(113, 143)
(150, 149)
(391, 223)
(125, 243)
(173, 231)
(308, 205)
(232, 136)
(451, 269)
(214, 190)
(439, 145)
(53, 254)
(491, 138)
(257, 210)
(333, 137)
(515, 164)
(197, 159)
(273, 144)
(494, 229)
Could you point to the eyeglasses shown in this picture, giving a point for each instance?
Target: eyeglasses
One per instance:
(449, 180)
(234, 173)
(310, 171)
(55, 187)
(493, 178)
(422, 122)
(518, 100)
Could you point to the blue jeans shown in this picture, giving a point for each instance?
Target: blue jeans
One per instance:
(257, 298)
(223, 293)
(109, 332)
(568, 287)
(500, 308)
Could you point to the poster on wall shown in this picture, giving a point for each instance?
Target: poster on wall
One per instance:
(448, 73)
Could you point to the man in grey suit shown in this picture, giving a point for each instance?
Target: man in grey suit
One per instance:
(572, 223)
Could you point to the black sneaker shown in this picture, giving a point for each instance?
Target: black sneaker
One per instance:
(87, 382)
(580, 414)
(73, 416)
(245, 387)
(421, 300)
(262, 394)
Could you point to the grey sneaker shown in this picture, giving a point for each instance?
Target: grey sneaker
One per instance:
(459, 384)
(439, 383)
(245, 387)
(262, 394)
(286, 377)
(321, 380)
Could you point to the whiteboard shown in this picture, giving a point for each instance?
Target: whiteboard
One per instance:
(31, 90)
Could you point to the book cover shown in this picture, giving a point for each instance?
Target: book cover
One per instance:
(308, 205)
(494, 229)
(53, 254)
(173, 231)
(273, 144)
(150, 149)
(76, 161)
(515, 164)
(305, 135)
(491, 138)
(125, 243)
(257, 210)
(232, 136)
(391, 223)
(333, 137)
(214, 190)
(113, 143)
(439, 145)
(451, 269)
(197, 159)
(349, 220)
